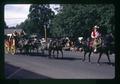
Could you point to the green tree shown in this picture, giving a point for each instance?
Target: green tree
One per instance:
(39, 17)
(75, 20)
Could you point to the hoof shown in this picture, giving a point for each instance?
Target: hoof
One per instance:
(98, 64)
(90, 61)
(83, 60)
(49, 57)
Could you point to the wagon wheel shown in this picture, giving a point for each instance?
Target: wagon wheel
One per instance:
(13, 50)
(6, 48)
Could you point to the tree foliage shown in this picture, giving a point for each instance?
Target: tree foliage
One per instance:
(75, 20)
(72, 20)
(39, 16)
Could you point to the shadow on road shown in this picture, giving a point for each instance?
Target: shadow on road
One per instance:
(107, 63)
(104, 63)
(13, 72)
(46, 55)
(68, 58)
(33, 54)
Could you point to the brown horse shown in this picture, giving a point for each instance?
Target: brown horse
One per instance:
(102, 48)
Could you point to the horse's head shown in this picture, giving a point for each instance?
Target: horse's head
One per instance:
(62, 42)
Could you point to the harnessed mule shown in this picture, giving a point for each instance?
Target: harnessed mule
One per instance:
(56, 45)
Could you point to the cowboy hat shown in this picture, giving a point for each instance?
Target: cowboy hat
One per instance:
(96, 26)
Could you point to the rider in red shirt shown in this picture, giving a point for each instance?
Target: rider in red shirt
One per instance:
(94, 35)
(95, 32)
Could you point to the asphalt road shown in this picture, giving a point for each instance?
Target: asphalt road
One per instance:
(71, 67)
(13, 72)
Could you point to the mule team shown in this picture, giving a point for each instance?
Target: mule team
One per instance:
(25, 44)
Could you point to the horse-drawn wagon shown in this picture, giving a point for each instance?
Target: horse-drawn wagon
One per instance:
(9, 44)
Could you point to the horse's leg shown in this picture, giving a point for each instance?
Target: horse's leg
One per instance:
(62, 53)
(28, 50)
(37, 50)
(89, 56)
(23, 51)
(20, 51)
(53, 53)
(50, 53)
(84, 55)
(42, 51)
(107, 53)
(99, 57)
(57, 53)
(32, 49)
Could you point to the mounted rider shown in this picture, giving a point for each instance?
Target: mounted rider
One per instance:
(22, 34)
(15, 33)
(95, 34)
(109, 41)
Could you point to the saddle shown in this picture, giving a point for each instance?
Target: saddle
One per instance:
(95, 43)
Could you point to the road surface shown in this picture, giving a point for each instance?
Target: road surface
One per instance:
(71, 67)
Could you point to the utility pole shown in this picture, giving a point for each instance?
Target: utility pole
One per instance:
(45, 28)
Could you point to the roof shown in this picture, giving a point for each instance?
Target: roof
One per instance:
(9, 30)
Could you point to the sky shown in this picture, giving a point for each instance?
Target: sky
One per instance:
(16, 13)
